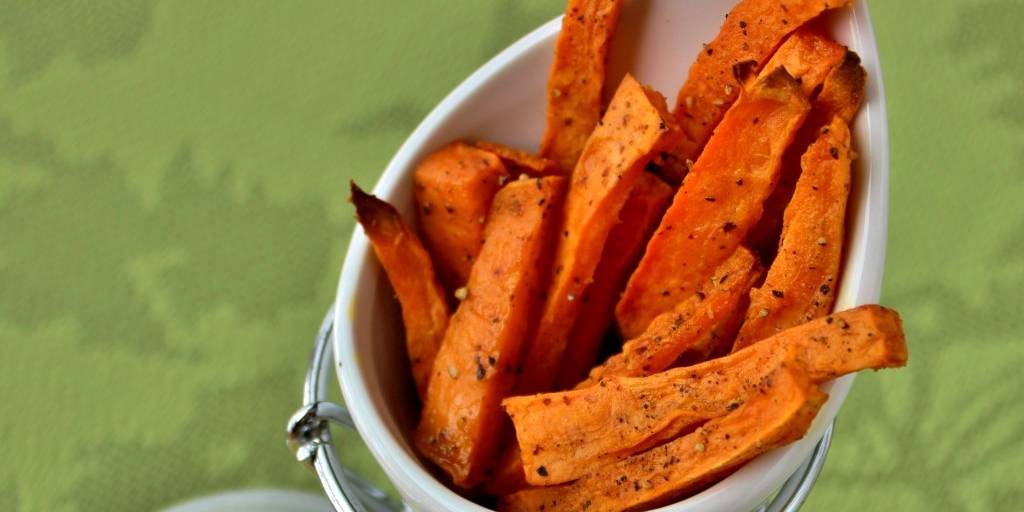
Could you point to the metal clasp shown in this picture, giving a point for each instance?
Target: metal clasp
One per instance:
(308, 428)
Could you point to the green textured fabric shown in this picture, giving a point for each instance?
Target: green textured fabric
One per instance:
(172, 224)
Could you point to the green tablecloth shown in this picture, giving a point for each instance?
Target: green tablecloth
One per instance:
(172, 221)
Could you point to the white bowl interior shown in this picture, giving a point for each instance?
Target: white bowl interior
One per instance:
(504, 102)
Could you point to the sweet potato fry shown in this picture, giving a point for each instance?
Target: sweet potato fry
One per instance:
(719, 202)
(842, 92)
(454, 188)
(408, 266)
(577, 78)
(751, 33)
(635, 127)
(801, 282)
(780, 413)
(841, 95)
(621, 416)
(462, 421)
(808, 57)
(689, 325)
(626, 241)
(518, 161)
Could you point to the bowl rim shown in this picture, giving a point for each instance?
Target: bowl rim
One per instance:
(417, 484)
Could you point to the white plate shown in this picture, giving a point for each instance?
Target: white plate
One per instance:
(256, 500)
(503, 102)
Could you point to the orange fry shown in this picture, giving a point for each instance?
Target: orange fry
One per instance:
(640, 215)
(801, 282)
(577, 78)
(635, 128)
(461, 422)
(686, 327)
(408, 266)
(454, 189)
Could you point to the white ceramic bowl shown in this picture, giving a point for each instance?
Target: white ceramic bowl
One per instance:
(503, 101)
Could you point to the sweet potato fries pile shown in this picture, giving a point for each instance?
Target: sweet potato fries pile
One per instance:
(646, 304)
